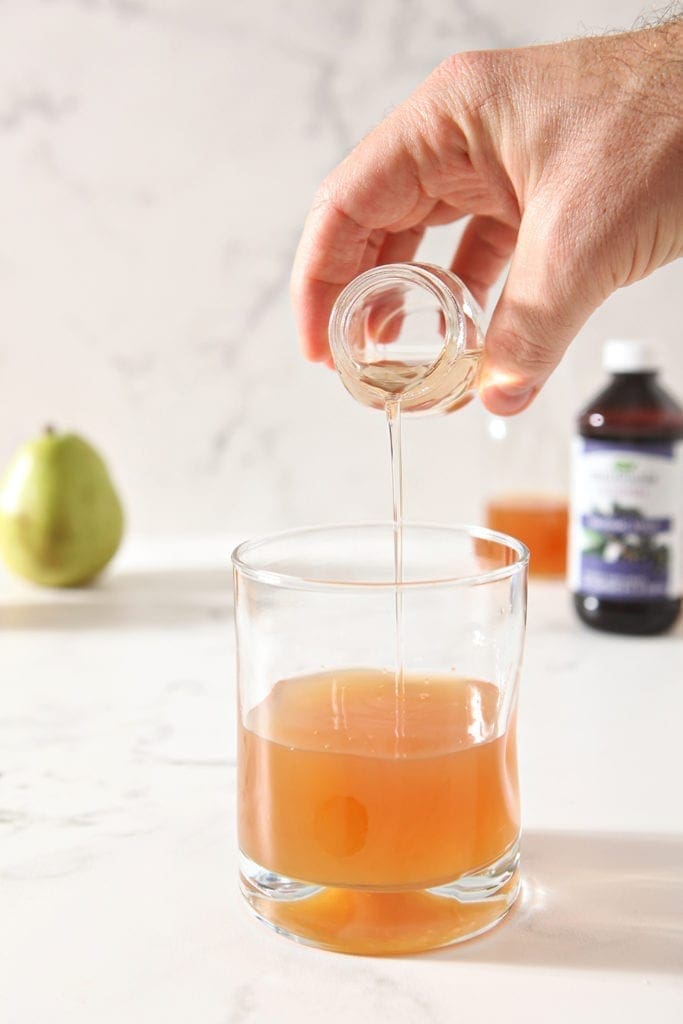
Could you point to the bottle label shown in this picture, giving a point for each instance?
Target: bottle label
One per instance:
(627, 522)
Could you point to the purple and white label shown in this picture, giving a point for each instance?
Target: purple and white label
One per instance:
(627, 519)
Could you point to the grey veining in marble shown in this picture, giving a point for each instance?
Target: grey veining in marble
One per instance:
(157, 158)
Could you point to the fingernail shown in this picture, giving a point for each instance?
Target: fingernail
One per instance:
(506, 401)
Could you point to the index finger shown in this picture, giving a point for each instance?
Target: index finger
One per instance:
(376, 189)
(329, 254)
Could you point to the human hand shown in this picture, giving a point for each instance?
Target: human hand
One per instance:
(569, 160)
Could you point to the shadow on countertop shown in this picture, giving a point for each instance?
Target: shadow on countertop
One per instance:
(609, 901)
(154, 598)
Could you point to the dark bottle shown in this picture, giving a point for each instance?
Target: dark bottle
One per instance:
(626, 537)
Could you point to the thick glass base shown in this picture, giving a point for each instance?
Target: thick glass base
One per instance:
(379, 922)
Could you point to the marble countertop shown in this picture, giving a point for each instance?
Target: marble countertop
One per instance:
(118, 892)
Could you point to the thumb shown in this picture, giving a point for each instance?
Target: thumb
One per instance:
(545, 302)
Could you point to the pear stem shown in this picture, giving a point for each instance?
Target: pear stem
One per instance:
(49, 430)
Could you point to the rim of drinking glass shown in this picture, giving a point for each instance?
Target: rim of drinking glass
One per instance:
(274, 578)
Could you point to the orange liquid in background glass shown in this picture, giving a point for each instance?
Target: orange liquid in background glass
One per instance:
(344, 785)
(539, 521)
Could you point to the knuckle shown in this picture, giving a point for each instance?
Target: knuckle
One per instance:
(323, 196)
(530, 351)
(471, 75)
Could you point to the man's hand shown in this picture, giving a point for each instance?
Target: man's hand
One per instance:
(568, 160)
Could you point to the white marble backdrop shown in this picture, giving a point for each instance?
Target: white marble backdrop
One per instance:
(157, 158)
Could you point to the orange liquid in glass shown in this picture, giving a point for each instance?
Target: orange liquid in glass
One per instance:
(539, 521)
(345, 784)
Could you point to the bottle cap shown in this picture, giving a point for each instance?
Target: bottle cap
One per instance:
(629, 355)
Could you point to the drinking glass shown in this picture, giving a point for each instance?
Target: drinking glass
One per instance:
(525, 476)
(378, 807)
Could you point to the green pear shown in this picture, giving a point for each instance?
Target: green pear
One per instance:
(60, 518)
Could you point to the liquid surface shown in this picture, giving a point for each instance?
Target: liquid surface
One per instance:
(539, 521)
(443, 387)
(329, 794)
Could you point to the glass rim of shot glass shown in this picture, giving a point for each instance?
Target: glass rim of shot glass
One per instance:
(288, 580)
(426, 276)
